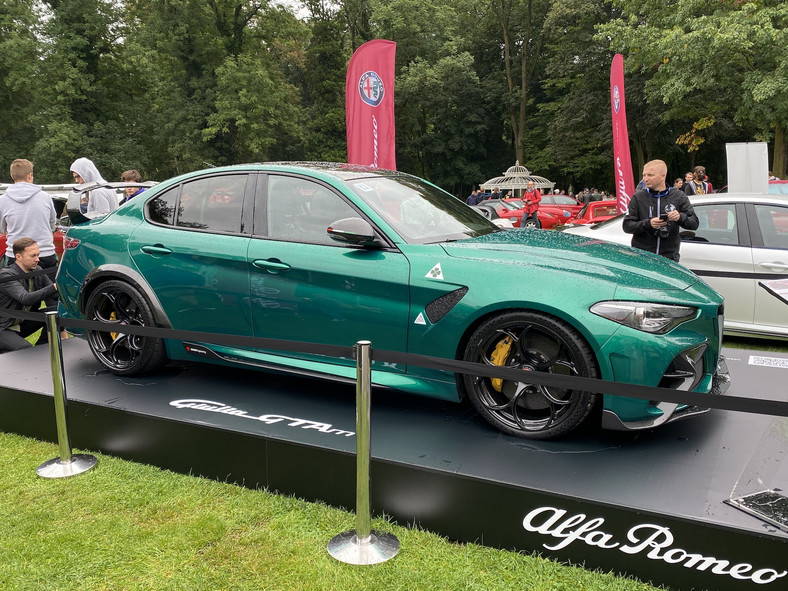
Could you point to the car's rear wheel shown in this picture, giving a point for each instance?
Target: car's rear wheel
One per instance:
(119, 303)
(530, 341)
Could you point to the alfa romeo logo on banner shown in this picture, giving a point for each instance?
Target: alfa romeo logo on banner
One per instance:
(616, 99)
(371, 89)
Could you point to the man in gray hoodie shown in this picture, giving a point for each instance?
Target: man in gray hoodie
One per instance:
(99, 200)
(26, 210)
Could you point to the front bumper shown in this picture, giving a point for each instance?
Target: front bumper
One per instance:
(670, 411)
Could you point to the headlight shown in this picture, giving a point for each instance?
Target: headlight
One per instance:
(645, 316)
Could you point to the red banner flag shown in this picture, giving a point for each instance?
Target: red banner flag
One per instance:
(369, 105)
(625, 183)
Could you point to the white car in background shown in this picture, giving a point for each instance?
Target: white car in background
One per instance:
(742, 239)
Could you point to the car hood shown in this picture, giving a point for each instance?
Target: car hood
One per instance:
(579, 255)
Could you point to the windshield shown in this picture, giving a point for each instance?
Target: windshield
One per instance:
(419, 212)
(513, 204)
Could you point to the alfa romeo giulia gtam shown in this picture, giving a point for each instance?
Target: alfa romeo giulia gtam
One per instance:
(334, 254)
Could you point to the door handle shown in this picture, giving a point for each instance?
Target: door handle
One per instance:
(775, 266)
(155, 249)
(271, 265)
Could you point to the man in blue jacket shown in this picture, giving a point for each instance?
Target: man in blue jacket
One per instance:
(657, 213)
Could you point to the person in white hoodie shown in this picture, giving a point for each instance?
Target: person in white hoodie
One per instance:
(27, 211)
(99, 200)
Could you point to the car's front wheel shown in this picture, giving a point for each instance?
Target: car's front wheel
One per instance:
(530, 341)
(530, 223)
(119, 303)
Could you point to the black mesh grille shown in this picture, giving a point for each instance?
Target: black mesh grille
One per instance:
(438, 308)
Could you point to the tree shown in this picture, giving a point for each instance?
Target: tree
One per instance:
(19, 59)
(324, 83)
(255, 111)
(715, 60)
(215, 77)
(445, 115)
(441, 117)
(574, 113)
(76, 89)
(523, 36)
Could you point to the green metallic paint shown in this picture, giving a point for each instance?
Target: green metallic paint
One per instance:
(239, 284)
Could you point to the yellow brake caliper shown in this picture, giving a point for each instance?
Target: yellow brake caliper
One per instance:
(499, 357)
(114, 335)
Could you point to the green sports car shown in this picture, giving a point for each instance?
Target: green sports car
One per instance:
(334, 254)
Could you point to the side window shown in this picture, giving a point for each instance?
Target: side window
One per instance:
(773, 220)
(300, 210)
(214, 203)
(161, 210)
(717, 223)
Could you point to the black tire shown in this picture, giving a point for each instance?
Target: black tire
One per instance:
(530, 223)
(536, 342)
(117, 302)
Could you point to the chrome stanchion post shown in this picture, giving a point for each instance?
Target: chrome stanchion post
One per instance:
(363, 545)
(67, 464)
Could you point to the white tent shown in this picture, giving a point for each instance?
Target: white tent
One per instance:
(516, 179)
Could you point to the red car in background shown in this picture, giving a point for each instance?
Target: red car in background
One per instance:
(594, 212)
(512, 210)
(554, 210)
(565, 202)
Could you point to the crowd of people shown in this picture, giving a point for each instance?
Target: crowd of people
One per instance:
(585, 196)
(695, 182)
(28, 218)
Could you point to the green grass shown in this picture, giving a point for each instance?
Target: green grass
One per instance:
(127, 526)
(772, 345)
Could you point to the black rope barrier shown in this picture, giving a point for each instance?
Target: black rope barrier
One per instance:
(598, 386)
(18, 277)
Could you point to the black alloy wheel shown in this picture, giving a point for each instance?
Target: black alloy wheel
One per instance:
(119, 303)
(530, 341)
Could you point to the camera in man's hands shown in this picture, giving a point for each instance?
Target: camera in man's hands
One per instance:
(664, 231)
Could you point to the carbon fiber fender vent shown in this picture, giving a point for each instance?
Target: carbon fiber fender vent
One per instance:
(438, 308)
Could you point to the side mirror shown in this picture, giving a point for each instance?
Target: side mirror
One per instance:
(689, 236)
(352, 231)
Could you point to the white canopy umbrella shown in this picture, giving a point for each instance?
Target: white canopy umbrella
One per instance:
(516, 179)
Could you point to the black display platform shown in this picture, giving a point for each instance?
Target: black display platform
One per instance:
(650, 504)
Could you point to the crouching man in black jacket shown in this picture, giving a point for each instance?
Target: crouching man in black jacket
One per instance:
(20, 292)
(657, 213)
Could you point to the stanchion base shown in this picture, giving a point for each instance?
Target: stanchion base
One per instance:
(378, 547)
(57, 469)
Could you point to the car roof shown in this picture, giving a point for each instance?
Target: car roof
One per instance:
(57, 192)
(768, 198)
(339, 170)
